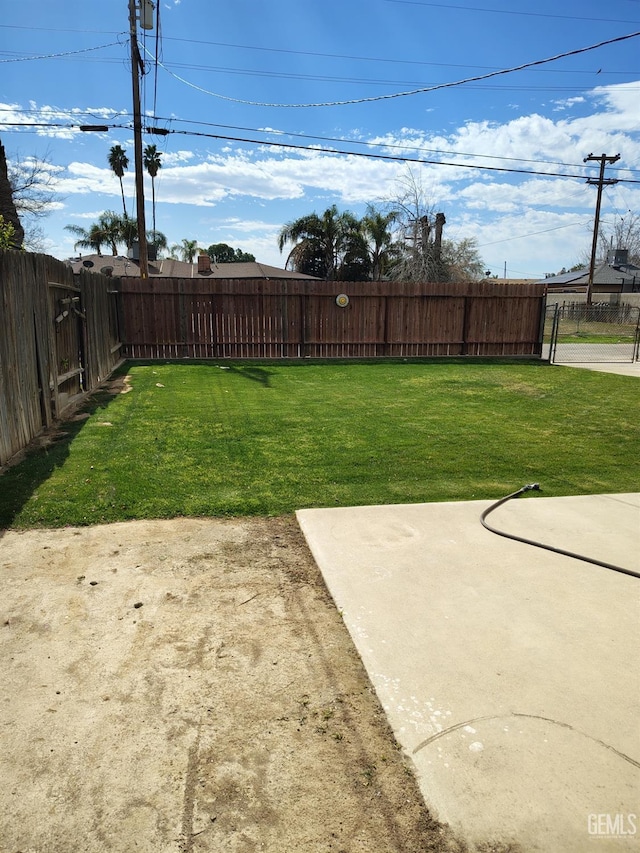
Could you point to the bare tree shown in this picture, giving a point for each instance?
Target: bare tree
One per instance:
(420, 232)
(623, 233)
(33, 185)
(424, 254)
(461, 259)
(33, 180)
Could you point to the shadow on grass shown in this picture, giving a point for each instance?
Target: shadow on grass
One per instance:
(48, 452)
(254, 372)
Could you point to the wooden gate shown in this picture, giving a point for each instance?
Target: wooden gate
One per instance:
(68, 344)
(58, 340)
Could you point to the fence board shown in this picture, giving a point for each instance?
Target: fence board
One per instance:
(257, 318)
(46, 365)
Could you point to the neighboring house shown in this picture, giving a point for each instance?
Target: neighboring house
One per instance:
(615, 275)
(121, 267)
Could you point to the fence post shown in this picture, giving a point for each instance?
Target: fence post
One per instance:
(303, 325)
(465, 327)
(182, 314)
(554, 334)
(386, 346)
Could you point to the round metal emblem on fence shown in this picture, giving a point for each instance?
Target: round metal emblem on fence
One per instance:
(342, 300)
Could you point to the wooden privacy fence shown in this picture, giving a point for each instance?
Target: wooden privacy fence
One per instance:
(61, 335)
(199, 318)
(58, 340)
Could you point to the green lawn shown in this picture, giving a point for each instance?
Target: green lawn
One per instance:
(265, 439)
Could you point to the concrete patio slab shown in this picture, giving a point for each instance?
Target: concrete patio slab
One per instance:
(622, 368)
(508, 673)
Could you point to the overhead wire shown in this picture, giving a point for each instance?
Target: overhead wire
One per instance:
(422, 90)
(343, 140)
(158, 53)
(59, 55)
(319, 150)
(351, 57)
(532, 234)
(361, 81)
(449, 6)
(381, 144)
(373, 156)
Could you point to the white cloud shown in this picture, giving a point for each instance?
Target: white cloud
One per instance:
(88, 179)
(567, 103)
(173, 158)
(91, 215)
(538, 192)
(216, 186)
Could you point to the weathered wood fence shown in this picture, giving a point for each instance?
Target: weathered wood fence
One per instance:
(58, 340)
(61, 335)
(199, 318)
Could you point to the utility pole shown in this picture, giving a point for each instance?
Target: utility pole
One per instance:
(600, 182)
(136, 66)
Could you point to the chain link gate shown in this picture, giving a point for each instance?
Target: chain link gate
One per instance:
(579, 333)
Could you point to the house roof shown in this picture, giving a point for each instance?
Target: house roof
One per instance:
(605, 273)
(121, 267)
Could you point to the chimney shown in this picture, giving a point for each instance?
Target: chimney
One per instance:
(204, 265)
(618, 257)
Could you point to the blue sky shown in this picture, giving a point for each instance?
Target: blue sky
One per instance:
(236, 60)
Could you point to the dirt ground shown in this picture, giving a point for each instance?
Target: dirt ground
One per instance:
(188, 685)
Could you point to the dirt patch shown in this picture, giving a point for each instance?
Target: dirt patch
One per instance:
(188, 685)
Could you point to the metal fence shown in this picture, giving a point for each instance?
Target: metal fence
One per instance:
(601, 332)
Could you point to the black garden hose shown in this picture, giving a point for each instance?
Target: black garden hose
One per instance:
(536, 487)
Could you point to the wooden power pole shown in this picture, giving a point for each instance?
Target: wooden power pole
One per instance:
(600, 182)
(136, 64)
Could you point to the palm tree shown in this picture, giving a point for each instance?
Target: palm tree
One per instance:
(107, 230)
(91, 238)
(322, 243)
(128, 231)
(381, 248)
(110, 225)
(157, 239)
(152, 164)
(119, 163)
(188, 249)
(112, 230)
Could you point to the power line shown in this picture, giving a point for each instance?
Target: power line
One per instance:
(395, 146)
(393, 95)
(368, 81)
(531, 234)
(371, 156)
(58, 55)
(317, 150)
(58, 30)
(362, 58)
(511, 12)
(294, 134)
